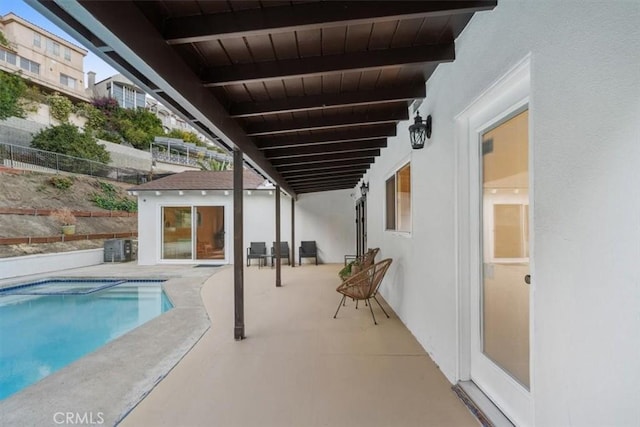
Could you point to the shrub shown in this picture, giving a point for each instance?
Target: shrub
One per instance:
(108, 199)
(12, 88)
(67, 139)
(95, 117)
(60, 107)
(64, 216)
(61, 182)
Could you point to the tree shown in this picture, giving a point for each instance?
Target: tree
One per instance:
(67, 139)
(12, 88)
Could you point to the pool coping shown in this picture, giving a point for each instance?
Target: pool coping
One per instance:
(104, 386)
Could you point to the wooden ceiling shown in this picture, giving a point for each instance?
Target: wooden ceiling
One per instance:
(308, 90)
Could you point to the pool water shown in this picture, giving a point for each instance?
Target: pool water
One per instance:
(47, 325)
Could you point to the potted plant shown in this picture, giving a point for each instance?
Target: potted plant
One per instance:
(350, 269)
(68, 220)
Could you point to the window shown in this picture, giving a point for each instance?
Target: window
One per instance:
(398, 200)
(67, 81)
(12, 58)
(67, 54)
(36, 39)
(3, 55)
(30, 66)
(53, 48)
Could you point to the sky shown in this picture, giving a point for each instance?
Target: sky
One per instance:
(23, 10)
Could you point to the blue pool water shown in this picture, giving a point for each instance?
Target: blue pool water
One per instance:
(48, 324)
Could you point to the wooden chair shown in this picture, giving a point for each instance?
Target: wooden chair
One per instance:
(364, 286)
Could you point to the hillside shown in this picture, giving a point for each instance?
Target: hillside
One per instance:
(31, 190)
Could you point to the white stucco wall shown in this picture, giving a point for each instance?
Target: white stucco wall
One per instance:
(585, 128)
(326, 218)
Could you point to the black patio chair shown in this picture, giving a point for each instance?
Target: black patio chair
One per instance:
(257, 250)
(307, 249)
(284, 252)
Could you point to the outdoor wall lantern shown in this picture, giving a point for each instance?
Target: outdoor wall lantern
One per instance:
(419, 131)
(364, 188)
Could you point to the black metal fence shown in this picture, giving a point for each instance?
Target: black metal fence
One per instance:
(19, 157)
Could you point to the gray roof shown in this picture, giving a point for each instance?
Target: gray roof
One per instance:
(201, 180)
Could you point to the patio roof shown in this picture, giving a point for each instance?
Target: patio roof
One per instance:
(300, 87)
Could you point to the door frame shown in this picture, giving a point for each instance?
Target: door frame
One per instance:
(508, 95)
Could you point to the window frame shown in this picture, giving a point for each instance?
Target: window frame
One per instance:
(37, 40)
(397, 215)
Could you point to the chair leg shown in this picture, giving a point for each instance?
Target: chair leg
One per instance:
(374, 297)
(372, 315)
(341, 302)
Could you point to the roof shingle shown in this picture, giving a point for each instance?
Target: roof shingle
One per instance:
(200, 180)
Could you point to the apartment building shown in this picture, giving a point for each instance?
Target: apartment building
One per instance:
(129, 95)
(45, 59)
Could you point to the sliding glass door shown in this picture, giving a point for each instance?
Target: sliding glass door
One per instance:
(193, 233)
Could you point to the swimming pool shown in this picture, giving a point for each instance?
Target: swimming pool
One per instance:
(46, 325)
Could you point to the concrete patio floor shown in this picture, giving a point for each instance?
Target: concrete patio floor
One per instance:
(298, 366)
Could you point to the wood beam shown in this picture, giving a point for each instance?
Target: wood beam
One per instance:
(345, 157)
(330, 122)
(277, 248)
(332, 172)
(324, 177)
(325, 181)
(326, 65)
(238, 243)
(341, 135)
(355, 163)
(329, 100)
(272, 20)
(293, 232)
(326, 148)
(327, 187)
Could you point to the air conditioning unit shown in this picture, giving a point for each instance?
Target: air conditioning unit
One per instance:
(117, 250)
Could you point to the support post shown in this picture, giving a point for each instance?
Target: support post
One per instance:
(238, 258)
(293, 232)
(277, 248)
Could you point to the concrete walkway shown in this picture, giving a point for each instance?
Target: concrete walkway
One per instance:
(298, 366)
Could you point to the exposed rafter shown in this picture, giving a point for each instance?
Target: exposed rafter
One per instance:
(304, 167)
(326, 148)
(312, 174)
(348, 156)
(273, 20)
(320, 177)
(330, 122)
(369, 132)
(326, 65)
(329, 100)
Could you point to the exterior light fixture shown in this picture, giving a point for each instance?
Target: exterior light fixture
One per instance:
(249, 192)
(419, 131)
(181, 193)
(204, 193)
(226, 192)
(270, 193)
(364, 188)
(158, 193)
